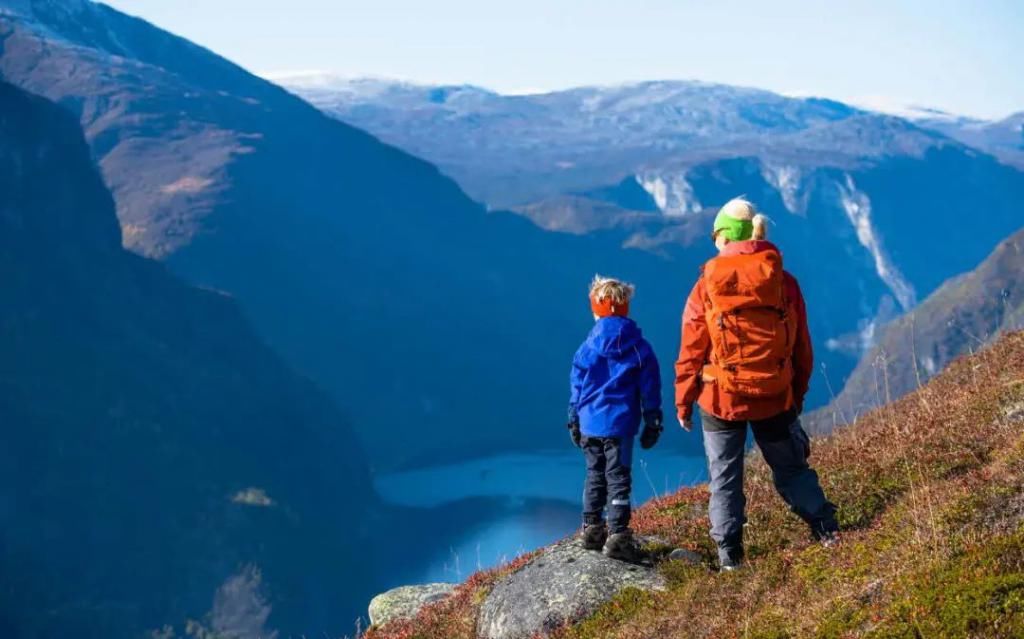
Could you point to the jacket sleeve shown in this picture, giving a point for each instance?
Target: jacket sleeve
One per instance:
(803, 352)
(575, 386)
(650, 379)
(693, 352)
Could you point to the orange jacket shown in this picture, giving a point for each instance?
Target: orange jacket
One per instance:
(695, 349)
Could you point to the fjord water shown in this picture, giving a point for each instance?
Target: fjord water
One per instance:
(482, 512)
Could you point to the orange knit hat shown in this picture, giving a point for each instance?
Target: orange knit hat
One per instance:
(607, 307)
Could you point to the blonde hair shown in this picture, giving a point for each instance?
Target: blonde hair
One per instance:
(619, 292)
(739, 208)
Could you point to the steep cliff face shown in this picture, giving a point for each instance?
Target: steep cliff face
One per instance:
(962, 316)
(158, 462)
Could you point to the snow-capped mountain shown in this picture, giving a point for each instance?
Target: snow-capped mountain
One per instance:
(862, 202)
(1002, 138)
(510, 150)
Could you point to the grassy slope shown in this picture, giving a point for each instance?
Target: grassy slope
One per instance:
(932, 507)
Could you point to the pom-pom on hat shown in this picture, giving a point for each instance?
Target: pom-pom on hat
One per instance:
(738, 220)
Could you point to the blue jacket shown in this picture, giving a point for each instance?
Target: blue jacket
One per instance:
(614, 379)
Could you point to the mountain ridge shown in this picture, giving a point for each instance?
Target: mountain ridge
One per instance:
(673, 109)
(160, 465)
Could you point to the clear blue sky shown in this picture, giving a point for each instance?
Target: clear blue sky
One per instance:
(963, 56)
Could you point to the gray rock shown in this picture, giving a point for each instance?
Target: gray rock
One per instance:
(564, 584)
(1014, 412)
(405, 602)
(871, 591)
(690, 557)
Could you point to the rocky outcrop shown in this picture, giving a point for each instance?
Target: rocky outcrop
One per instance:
(563, 584)
(405, 602)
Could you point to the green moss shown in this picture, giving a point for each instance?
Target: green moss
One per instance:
(677, 573)
(480, 595)
(619, 609)
(978, 593)
(970, 509)
(815, 566)
(858, 509)
(767, 535)
(772, 624)
(658, 549)
(986, 606)
(774, 570)
(844, 620)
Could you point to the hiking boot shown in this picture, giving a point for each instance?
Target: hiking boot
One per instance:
(826, 533)
(730, 560)
(624, 547)
(594, 536)
(729, 564)
(828, 539)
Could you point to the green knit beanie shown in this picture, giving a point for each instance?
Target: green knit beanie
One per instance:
(733, 229)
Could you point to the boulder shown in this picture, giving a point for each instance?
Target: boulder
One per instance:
(562, 585)
(405, 602)
(688, 556)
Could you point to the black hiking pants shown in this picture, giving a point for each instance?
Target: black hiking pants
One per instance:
(609, 481)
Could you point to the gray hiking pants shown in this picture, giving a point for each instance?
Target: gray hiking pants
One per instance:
(785, 447)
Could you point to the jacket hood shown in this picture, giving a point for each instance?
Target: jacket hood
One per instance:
(746, 247)
(614, 336)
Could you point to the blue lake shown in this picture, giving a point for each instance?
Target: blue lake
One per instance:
(490, 510)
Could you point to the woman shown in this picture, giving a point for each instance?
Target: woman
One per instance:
(746, 358)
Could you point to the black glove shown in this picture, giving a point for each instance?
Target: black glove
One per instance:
(575, 434)
(652, 429)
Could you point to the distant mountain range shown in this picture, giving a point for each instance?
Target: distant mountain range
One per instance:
(158, 463)
(538, 145)
(863, 203)
(1002, 138)
(374, 275)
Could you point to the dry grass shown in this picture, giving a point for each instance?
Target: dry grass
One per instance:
(930, 496)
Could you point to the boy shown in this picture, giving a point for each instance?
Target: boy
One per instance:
(615, 382)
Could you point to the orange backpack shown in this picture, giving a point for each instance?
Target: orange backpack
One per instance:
(752, 331)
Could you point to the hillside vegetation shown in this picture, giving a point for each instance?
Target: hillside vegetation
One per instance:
(931, 506)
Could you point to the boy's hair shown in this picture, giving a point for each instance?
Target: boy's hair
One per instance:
(609, 288)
